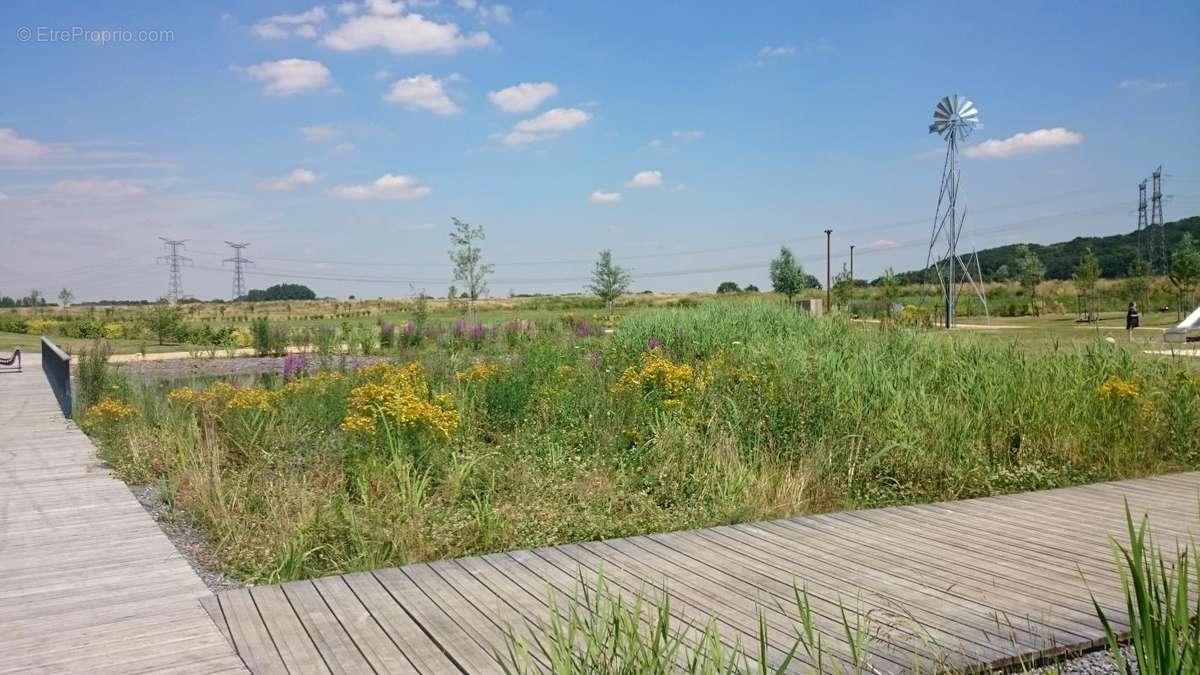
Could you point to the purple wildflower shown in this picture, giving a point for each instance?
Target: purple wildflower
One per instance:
(653, 344)
(294, 365)
(583, 329)
(596, 354)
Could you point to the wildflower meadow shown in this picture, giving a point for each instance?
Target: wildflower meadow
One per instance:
(488, 437)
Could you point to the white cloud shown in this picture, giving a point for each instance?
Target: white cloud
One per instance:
(98, 187)
(407, 34)
(550, 124)
(776, 52)
(422, 92)
(497, 13)
(645, 179)
(883, 244)
(289, 182)
(468, 5)
(1144, 85)
(385, 7)
(13, 148)
(344, 147)
(282, 25)
(289, 76)
(3, 197)
(655, 144)
(601, 197)
(347, 8)
(387, 186)
(687, 136)
(269, 31)
(522, 97)
(1025, 142)
(319, 133)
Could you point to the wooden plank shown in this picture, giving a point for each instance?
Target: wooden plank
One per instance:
(410, 638)
(290, 639)
(377, 648)
(463, 646)
(506, 616)
(337, 647)
(896, 648)
(212, 605)
(250, 635)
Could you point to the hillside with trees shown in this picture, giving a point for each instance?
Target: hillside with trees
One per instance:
(1114, 253)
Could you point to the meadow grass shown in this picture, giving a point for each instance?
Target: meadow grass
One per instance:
(1164, 625)
(682, 417)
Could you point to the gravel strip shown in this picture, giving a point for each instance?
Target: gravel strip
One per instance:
(1099, 662)
(186, 538)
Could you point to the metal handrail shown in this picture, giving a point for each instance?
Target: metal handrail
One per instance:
(57, 365)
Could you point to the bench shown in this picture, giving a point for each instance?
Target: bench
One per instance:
(12, 361)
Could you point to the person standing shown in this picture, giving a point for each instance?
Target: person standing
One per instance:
(1132, 319)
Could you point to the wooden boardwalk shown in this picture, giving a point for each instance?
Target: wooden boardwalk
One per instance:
(963, 584)
(88, 581)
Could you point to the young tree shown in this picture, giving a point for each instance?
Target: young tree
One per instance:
(609, 281)
(889, 290)
(1002, 273)
(842, 285)
(1137, 282)
(787, 275)
(728, 287)
(468, 262)
(164, 320)
(1185, 272)
(1030, 272)
(1087, 274)
(65, 296)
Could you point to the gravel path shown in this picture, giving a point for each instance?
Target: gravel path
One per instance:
(179, 368)
(186, 537)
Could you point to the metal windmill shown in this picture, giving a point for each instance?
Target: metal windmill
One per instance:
(954, 118)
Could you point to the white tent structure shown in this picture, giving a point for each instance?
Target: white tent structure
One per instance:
(1187, 331)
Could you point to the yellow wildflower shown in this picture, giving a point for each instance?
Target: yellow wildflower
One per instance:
(657, 372)
(1116, 388)
(108, 411)
(402, 397)
(478, 372)
(250, 398)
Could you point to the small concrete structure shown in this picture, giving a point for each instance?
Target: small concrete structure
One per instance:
(813, 306)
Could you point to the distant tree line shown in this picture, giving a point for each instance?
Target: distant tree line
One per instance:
(280, 292)
(33, 299)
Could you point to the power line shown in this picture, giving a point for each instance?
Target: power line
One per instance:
(756, 264)
(676, 254)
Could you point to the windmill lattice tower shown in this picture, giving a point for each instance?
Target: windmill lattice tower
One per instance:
(954, 118)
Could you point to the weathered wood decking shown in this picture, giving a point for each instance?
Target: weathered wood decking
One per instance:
(970, 583)
(88, 581)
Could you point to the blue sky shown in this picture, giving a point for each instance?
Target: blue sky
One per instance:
(340, 138)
